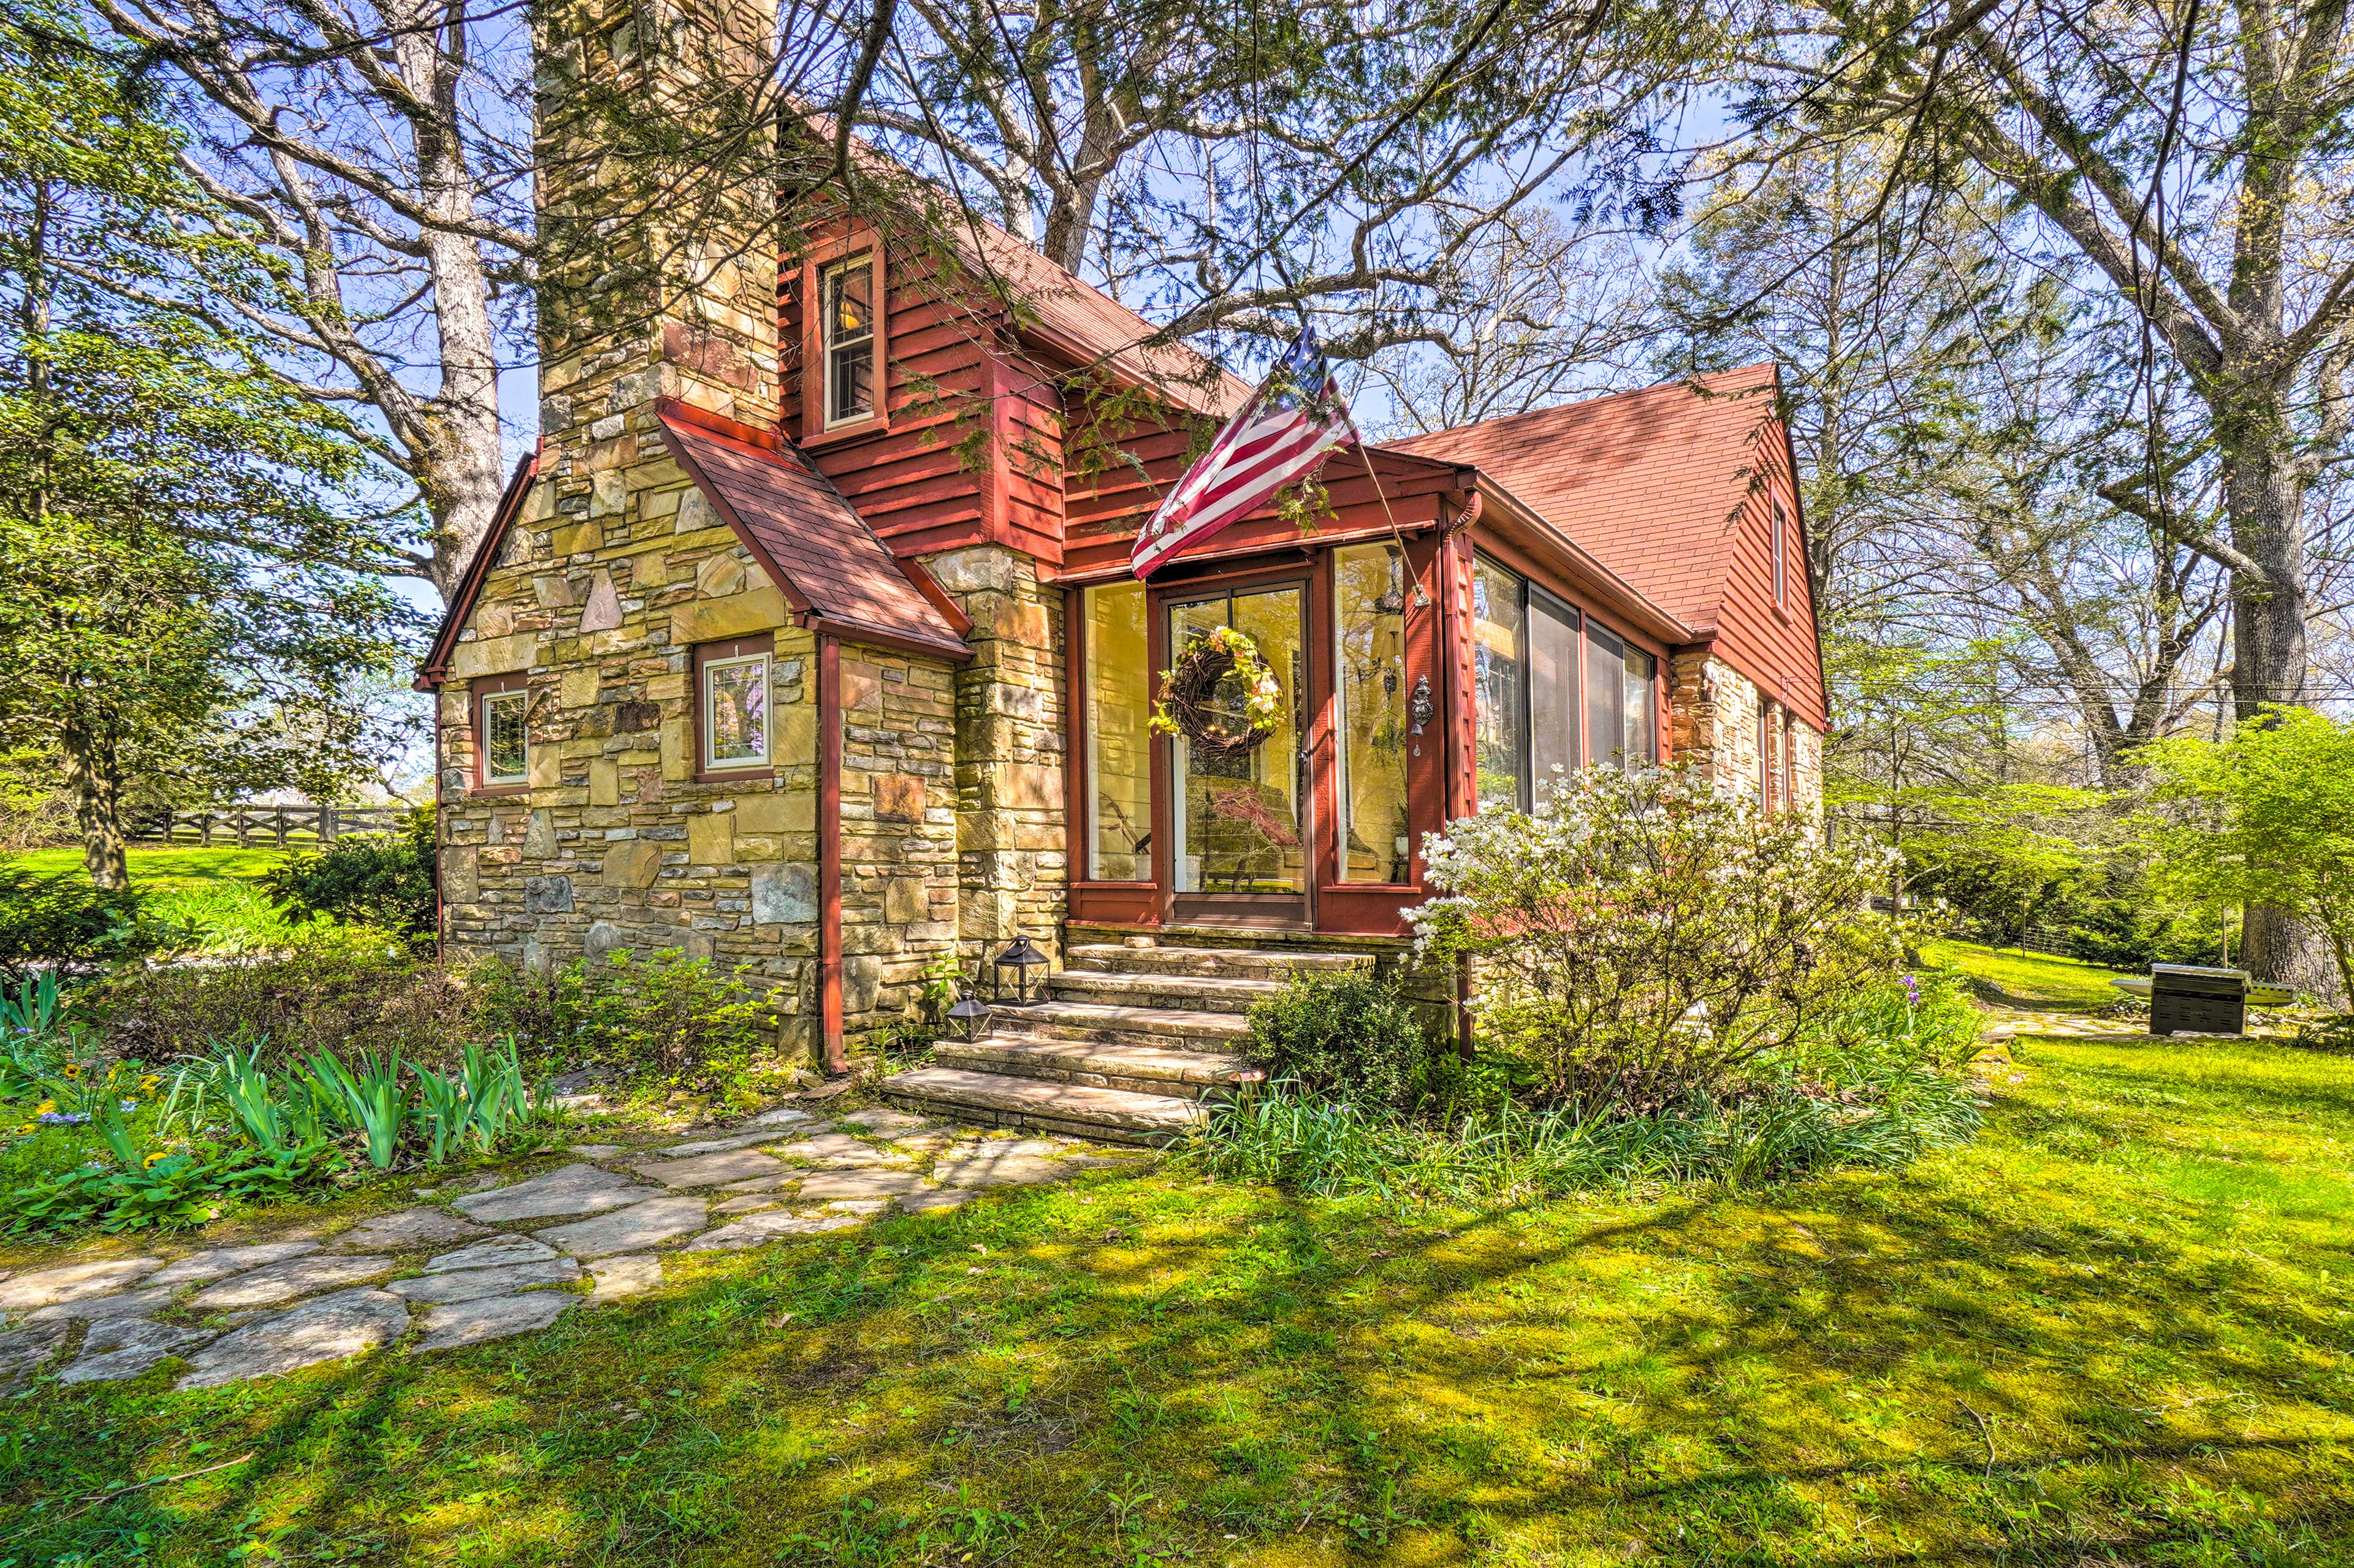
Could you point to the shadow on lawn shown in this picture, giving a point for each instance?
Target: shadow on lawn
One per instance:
(1129, 1369)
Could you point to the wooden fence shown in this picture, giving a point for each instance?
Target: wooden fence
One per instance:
(281, 827)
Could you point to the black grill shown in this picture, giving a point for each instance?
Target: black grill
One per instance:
(2185, 998)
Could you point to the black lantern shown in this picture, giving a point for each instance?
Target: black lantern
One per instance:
(1022, 958)
(970, 1014)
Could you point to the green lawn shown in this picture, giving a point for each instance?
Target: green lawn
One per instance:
(2027, 979)
(158, 865)
(2117, 1330)
(212, 890)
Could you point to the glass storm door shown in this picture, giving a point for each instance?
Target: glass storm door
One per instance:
(1238, 824)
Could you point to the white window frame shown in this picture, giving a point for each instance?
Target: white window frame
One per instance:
(711, 762)
(521, 697)
(827, 345)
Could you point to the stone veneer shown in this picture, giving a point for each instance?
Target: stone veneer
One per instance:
(1714, 726)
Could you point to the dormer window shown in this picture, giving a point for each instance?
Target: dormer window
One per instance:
(846, 339)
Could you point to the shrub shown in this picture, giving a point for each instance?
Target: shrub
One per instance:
(1349, 1037)
(384, 881)
(667, 1022)
(1643, 939)
(67, 923)
(343, 989)
(176, 1192)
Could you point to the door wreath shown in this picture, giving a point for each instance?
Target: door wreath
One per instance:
(1189, 706)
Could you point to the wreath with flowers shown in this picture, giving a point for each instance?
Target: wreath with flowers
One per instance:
(1189, 703)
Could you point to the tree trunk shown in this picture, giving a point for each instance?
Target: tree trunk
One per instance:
(97, 806)
(2265, 497)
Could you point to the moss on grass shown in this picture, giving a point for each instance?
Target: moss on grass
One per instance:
(2027, 979)
(2116, 1329)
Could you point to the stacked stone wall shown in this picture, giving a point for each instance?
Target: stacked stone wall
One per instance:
(1012, 838)
(1713, 725)
(899, 857)
(614, 844)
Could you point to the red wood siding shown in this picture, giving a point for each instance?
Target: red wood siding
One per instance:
(1773, 645)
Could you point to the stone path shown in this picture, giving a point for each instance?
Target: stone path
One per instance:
(502, 1257)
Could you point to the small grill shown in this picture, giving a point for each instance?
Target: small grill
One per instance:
(2185, 998)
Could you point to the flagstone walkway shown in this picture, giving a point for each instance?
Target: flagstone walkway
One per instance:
(486, 1260)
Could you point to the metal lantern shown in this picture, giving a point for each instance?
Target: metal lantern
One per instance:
(1021, 956)
(968, 1015)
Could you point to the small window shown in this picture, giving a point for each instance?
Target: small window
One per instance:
(1781, 562)
(503, 731)
(736, 712)
(1642, 708)
(846, 326)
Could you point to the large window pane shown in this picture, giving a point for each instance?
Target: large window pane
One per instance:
(1553, 739)
(1119, 699)
(1237, 819)
(1642, 708)
(1369, 593)
(1605, 697)
(1499, 683)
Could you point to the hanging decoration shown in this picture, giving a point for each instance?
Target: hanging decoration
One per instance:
(1189, 703)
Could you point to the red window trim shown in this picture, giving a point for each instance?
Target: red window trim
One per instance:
(710, 652)
(490, 686)
(818, 260)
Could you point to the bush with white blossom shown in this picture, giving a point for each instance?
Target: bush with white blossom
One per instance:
(1641, 940)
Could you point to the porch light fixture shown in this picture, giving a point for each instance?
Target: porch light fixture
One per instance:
(1021, 956)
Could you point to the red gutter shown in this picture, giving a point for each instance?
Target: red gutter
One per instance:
(829, 855)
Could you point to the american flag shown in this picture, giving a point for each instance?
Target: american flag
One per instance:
(1290, 422)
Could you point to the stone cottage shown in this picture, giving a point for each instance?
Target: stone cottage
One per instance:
(807, 641)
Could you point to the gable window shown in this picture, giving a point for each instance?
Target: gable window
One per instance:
(846, 339)
(503, 732)
(732, 704)
(1781, 556)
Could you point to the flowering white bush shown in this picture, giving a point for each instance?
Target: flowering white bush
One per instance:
(1641, 938)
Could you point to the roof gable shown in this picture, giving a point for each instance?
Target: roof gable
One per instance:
(829, 563)
(1652, 483)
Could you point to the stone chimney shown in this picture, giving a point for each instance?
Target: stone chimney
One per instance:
(655, 140)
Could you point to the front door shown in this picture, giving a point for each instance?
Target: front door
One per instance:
(1238, 824)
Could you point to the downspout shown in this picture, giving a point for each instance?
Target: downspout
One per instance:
(829, 855)
(441, 827)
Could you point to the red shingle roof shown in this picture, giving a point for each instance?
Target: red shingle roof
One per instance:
(1650, 482)
(821, 552)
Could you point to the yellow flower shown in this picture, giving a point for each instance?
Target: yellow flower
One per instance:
(45, 1107)
(71, 1069)
(150, 1162)
(149, 1082)
(29, 1126)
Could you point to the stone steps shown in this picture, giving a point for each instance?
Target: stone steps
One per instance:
(1164, 1028)
(1130, 1044)
(1138, 1069)
(1194, 992)
(998, 1100)
(1237, 963)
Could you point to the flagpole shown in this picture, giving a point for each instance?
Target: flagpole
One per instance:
(1421, 597)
